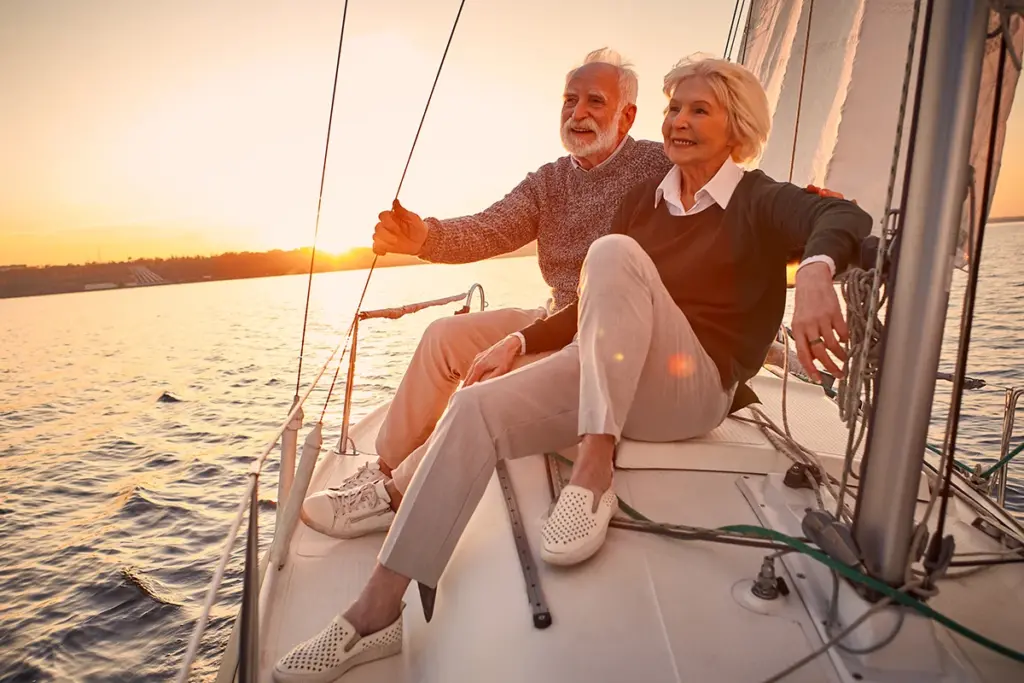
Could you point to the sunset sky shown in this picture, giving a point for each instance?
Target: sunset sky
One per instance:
(132, 129)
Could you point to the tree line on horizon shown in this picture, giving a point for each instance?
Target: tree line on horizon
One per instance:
(18, 281)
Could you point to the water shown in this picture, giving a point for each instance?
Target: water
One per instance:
(128, 419)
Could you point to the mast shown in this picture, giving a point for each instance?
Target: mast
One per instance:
(919, 295)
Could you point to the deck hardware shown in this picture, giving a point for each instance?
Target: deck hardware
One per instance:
(541, 613)
(767, 585)
(799, 476)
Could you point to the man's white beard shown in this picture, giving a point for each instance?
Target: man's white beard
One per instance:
(603, 143)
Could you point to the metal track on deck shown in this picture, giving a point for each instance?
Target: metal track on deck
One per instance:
(541, 613)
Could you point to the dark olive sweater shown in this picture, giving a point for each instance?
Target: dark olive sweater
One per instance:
(726, 268)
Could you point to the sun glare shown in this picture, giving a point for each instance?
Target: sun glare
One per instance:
(186, 157)
(222, 149)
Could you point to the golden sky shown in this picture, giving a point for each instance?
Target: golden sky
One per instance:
(154, 128)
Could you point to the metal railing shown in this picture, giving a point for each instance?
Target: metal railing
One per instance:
(1001, 470)
(289, 518)
(293, 485)
(392, 314)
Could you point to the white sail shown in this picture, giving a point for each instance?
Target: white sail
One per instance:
(835, 103)
(983, 120)
(768, 43)
(839, 100)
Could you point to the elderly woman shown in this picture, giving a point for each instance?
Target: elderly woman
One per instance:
(675, 311)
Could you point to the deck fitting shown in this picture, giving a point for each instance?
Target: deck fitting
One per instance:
(768, 586)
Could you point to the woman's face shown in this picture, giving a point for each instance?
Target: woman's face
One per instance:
(696, 126)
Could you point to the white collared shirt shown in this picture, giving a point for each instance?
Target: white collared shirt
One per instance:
(718, 190)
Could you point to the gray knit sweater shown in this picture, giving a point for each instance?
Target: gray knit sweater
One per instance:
(563, 207)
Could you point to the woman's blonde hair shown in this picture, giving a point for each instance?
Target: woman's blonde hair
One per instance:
(738, 91)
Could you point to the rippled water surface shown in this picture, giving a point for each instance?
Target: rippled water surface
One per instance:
(128, 419)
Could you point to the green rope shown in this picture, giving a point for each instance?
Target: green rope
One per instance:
(878, 586)
(991, 470)
(750, 530)
(938, 451)
(1006, 459)
(623, 505)
(633, 512)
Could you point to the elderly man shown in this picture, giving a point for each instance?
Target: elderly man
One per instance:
(564, 205)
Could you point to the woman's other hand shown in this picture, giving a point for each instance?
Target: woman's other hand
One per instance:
(818, 322)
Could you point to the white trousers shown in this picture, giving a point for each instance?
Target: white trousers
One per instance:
(441, 360)
(635, 369)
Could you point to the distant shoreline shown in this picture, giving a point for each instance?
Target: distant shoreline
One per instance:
(17, 281)
(20, 281)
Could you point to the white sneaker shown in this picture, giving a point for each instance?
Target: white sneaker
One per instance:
(574, 531)
(335, 650)
(349, 513)
(367, 472)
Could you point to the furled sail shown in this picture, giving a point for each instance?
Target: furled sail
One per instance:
(834, 92)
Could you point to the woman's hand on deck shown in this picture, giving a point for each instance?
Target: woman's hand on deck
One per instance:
(818, 322)
(399, 231)
(494, 362)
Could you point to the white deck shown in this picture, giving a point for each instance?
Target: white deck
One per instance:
(645, 608)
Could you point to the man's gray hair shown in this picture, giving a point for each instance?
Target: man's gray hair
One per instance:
(628, 82)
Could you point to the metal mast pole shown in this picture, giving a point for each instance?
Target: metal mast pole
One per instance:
(919, 297)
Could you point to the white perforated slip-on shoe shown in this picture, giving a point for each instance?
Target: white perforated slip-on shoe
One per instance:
(349, 513)
(574, 531)
(335, 650)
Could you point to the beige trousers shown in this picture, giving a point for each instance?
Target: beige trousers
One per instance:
(635, 369)
(441, 360)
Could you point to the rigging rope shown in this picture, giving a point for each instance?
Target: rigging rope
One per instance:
(970, 294)
(1005, 13)
(398, 191)
(835, 640)
(429, 98)
(320, 197)
(734, 25)
(800, 93)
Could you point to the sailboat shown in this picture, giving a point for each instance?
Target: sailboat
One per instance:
(810, 537)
